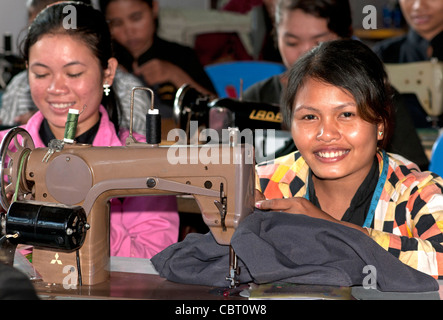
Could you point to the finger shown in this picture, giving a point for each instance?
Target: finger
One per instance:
(273, 205)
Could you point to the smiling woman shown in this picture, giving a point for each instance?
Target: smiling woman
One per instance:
(328, 131)
(69, 68)
(64, 74)
(338, 106)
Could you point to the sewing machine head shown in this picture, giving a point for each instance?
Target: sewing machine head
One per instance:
(219, 114)
(424, 79)
(261, 122)
(84, 178)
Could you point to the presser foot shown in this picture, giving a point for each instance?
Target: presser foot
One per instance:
(234, 269)
(232, 278)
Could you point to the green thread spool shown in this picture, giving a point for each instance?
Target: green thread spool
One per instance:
(71, 126)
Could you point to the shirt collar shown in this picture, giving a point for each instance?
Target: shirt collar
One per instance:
(106, 135)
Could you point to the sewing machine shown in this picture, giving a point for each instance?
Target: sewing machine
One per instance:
(260, 121)
(424, 79)
(218, 114)
(84, 178)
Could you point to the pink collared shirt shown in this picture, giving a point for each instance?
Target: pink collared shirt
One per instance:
(140, 226)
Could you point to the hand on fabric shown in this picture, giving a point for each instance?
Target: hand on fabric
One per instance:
(298, 205)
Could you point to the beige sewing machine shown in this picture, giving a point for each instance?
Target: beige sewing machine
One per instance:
(424, 79)
(79, 175)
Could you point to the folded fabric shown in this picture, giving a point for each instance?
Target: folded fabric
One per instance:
(276, 246)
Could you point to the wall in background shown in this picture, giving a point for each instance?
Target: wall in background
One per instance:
(12, 20)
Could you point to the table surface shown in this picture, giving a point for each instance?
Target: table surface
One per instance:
(122, 285)
(134, 279)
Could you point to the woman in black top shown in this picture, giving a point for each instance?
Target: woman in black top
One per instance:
(164, 66)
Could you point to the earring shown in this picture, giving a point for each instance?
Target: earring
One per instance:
(380, 133)
(106, 89)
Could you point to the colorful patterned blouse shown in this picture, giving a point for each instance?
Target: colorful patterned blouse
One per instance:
(408, 218)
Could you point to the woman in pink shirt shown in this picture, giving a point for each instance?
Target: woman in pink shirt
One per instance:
(70, 66)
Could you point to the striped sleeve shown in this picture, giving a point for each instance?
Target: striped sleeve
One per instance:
(16, 99)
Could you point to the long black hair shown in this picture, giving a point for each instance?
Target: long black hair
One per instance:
(352, 66)
(90, 28)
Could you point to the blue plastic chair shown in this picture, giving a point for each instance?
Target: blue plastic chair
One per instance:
(226, 76)
(436, 163)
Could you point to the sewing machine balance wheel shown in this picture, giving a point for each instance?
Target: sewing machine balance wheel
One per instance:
(15, 147)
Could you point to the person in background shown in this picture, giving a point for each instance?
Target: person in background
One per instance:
(268, 50)
(162, 65)
(70, 68)
(301, 25)
(338, 106)
(18, 107)
(423, 41)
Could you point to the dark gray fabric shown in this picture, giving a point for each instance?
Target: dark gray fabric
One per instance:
(275, 246)
(198, 259)
(14, 285)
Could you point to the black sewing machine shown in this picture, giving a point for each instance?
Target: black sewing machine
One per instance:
(260, 121)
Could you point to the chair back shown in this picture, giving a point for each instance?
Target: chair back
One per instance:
(436, 162)
(227, 76)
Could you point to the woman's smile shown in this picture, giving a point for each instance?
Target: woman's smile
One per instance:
(331, 155)
(330, 134)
